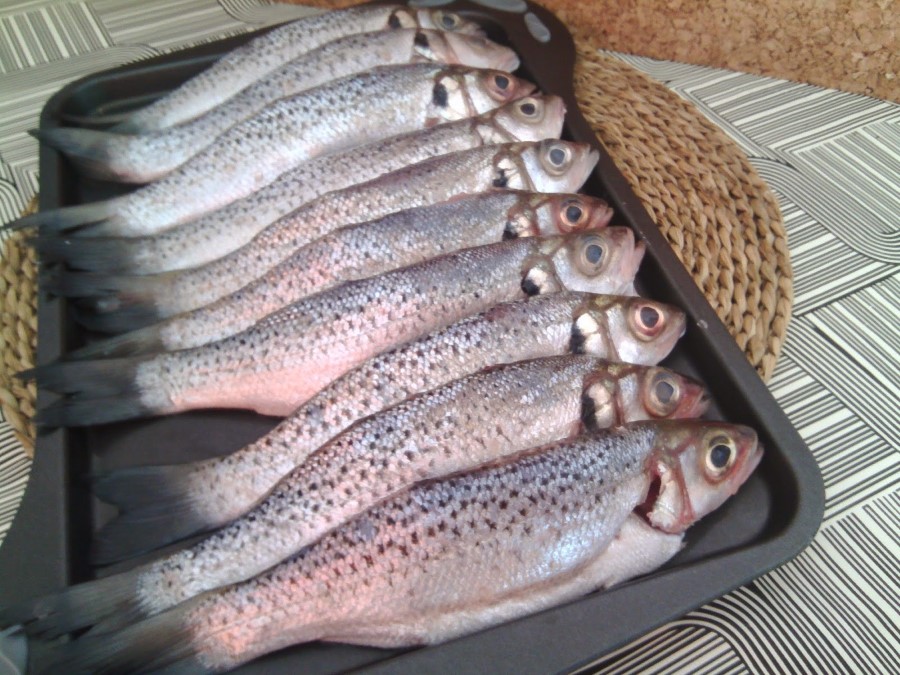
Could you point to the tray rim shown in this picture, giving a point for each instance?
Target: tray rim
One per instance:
(51, 465)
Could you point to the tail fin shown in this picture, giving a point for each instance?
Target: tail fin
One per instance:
(160, 642)
(156, 508)
(65, 218)
(107, 302)
(142, 341)
(75, 607)
(95, 254)
(97, 153)
(123, 320)
(100, 391)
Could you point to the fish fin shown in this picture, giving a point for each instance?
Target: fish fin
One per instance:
(95, 254)
(150, 645)
(100, 391)
(74, 607)
(104, 122)
(156, 509)
(88, 149)
(141, 342)
(109, 377)
(65, 218)
(137, 319)
(77, 412)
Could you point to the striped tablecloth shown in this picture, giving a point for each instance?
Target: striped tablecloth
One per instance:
(832, 158)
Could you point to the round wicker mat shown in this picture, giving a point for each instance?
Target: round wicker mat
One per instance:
(699, 187)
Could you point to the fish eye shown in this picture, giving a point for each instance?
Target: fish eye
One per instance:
(593, 253)
(447, 20)
(556, 158)
(573, 216)
(647, 321)
(663, 394)
(720, 456)
(528, 108)
(502, 82)
(591, 259)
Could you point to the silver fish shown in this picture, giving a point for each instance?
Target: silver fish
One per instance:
(149, 157)
(282, 361)
(444, 558)
(456, 427)
(532, 118)
(246, 64)
(365, 250)
(125, 303)
(165, 503)
(342, 113)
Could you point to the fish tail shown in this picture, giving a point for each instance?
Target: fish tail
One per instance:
(109, 303)
(91, 150)
(74, 607)
(65, 218)
(98, 392)
(156, 509)
(139, 342)
(94, 254)
(159, 642)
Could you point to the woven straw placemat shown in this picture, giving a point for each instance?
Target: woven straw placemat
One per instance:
(698, 186)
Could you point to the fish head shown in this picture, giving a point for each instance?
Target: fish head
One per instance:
(598, 261)
(618, 393)
(555, 166)
(460, 92)
(463, 49)
(435, 19)
(695, 467)
(538, 214)
(532, 118)
(629, 329)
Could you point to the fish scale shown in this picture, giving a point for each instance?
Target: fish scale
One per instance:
(287, 357)
(208, 494)
(428, 182)
(150, 156)
(365, 250)
(453, 543)
(216, 234)
(438, 558)
(462, 424)
(247, 63)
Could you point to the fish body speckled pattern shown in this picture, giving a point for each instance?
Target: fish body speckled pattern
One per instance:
(378, 103)
(213, 235)
(366, 250)
(201, 496)
(444, 558)
(283, 360)
(125, 303)
(148, 157)
(260, 56)
(466, 423)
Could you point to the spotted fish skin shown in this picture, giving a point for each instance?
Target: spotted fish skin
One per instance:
(310, 343)
(447, 557)
(148, 157)
(235, 224)
(513, 165)
(280, 362)
(209, 494)
(366, 250)
(247, 63)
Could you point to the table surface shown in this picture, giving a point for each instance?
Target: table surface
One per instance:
(833, 161)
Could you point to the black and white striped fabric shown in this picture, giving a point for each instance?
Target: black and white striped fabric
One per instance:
(833, 160)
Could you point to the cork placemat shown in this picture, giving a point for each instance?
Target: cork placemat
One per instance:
(698, 186)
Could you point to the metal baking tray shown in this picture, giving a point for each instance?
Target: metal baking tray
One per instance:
(771, 519)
